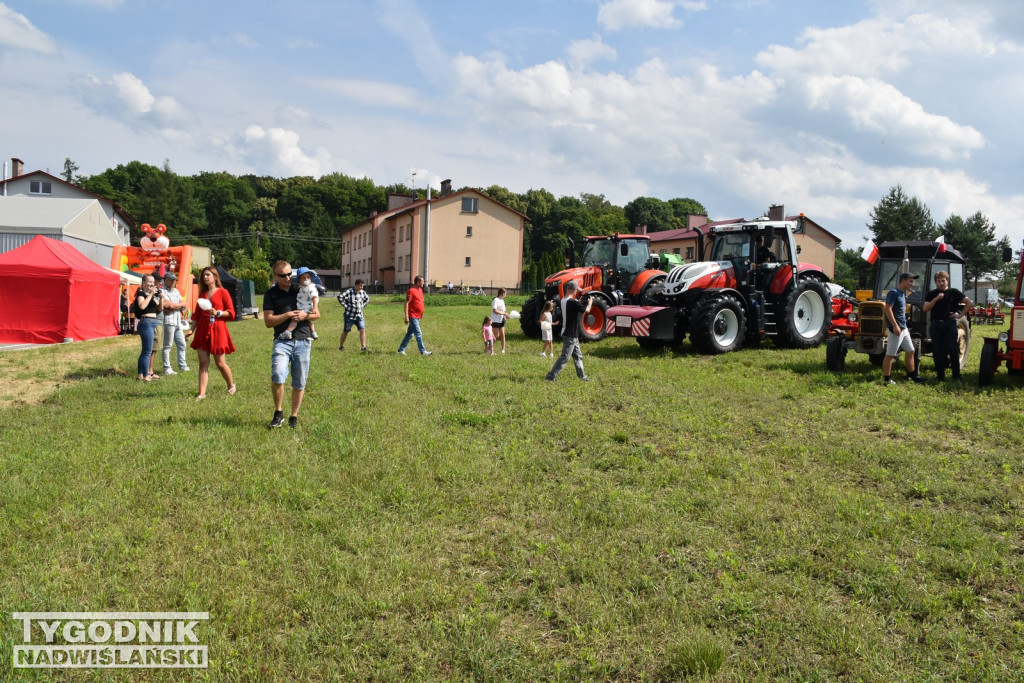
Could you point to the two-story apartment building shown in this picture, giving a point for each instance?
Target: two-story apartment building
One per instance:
(464, 237)
(38, 203)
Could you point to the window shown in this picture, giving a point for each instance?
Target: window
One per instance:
(401, 234)
(409, 235)
(469, 261)
(469, 204)
(689, 253)
(675, 250)
(39, 187)
(469, 231)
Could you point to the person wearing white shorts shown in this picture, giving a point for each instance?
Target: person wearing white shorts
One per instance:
(898, 338)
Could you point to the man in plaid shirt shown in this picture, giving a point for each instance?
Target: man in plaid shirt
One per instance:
(353, 300)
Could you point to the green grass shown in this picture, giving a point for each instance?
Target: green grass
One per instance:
(733, 518)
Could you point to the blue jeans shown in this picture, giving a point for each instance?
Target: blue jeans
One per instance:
(570, 348)
(147, 330)
(290, 355)
(173, 335)
(413, 331)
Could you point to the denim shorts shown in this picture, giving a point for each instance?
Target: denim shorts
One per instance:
(290, 355)
(358, 322)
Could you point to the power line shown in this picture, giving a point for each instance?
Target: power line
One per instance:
(271, 235)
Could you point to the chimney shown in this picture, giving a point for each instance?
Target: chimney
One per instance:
(695, 220)
(446, 187)
(777, 212)
(641, 229)
(17, 167)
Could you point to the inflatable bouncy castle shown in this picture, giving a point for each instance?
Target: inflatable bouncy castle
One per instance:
(156, 255)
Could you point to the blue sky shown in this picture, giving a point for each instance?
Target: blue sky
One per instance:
(821, 106)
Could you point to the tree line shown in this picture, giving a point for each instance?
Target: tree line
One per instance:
(249, 221)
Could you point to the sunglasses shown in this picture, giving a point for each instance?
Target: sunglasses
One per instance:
(288, 274)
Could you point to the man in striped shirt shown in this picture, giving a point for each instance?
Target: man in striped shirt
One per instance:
(173, 305)
(353, 300)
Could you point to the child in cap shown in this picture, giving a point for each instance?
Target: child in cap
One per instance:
(307, 300)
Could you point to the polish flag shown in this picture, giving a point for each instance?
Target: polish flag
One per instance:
(870, 253)
(942, 244)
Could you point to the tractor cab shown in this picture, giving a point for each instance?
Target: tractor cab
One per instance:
(757, 252)
(620, 259)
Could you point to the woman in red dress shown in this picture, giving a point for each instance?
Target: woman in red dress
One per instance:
(211, 330)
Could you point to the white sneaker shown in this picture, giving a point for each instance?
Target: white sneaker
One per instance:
(168, 371)
(543, 355)
(186, 369)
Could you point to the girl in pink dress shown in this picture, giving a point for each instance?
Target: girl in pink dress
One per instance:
(211, 331)
(488, 333)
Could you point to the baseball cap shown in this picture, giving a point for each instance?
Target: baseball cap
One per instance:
(907, 276)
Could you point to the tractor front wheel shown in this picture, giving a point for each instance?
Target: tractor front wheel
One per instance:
(592, 324)
(529, 320)
(718, 325)
(987, 369)
(835, 353)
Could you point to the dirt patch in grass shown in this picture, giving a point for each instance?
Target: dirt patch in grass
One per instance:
(28, 377)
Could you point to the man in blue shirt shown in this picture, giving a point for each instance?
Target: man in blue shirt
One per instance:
(899, 336)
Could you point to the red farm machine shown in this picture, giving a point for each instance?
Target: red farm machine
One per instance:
(615, 269)
(751, 287)
(860, 326)
(1012, 350)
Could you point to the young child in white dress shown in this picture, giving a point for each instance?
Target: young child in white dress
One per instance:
(546, 331)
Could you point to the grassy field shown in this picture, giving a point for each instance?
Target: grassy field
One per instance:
(735, 518)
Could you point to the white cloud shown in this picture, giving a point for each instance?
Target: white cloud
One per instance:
(372, 92)
(278, 150)
(584, 52)
(615, 15)
(18, 32)
(126, 98)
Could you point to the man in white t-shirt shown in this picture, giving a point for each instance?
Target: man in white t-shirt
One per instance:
(498, 317)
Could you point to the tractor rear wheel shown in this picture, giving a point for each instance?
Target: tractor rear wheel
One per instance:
(529, 320)
(592, 325)
(718, 325)
(835, 353)
(805, 315)
(987, 369)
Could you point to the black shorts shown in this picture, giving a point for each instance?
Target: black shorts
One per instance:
(497, 326)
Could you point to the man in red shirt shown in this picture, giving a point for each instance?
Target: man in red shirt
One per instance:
(413, 313)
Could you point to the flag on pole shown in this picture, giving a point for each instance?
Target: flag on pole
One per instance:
(870, 253)
(942, 244)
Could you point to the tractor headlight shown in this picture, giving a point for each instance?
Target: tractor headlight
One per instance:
(1004, 337)
(852, 317)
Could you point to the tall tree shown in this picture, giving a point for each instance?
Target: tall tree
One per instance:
(70, 169)
(975, 238)
(650, 211)
(899, 217)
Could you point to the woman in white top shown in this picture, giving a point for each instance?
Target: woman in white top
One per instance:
(498, 316)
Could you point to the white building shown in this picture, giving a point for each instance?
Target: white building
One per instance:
(38, 203)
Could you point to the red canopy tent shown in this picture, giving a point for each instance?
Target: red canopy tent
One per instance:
(50, 292)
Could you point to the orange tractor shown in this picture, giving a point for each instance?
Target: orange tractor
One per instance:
(1012, 350)
(616, 269)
